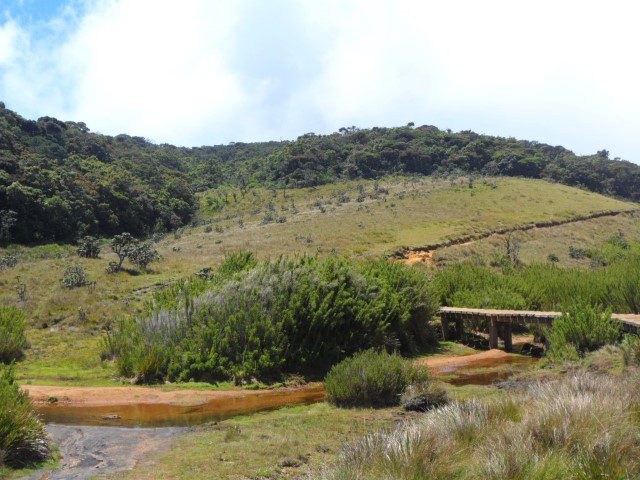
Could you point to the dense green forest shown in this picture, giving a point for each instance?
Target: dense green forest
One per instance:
(60, 181)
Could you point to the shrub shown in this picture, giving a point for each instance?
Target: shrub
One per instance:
(142, 255)
(12, 334)
(371, 379)
(8, 261)
(581, 329)
(112, 267)
(265, 320)
(22, 436)
(630, 347)
(88, 248)
(74, 276)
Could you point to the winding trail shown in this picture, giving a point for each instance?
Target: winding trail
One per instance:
(424, 254)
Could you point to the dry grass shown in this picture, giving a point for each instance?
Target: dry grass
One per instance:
(583, 426)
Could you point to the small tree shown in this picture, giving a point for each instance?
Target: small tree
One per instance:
(122, 245)
(74, 277)
(143, 255)
(88, 248)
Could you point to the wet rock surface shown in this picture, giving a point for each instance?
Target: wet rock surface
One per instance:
(88, 451)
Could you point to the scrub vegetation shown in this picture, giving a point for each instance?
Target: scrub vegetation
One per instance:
(12, 334)
(261, 320)
(609, 277)
(372, 379)
(23, 441)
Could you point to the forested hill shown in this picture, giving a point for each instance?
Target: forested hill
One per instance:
(59, 181)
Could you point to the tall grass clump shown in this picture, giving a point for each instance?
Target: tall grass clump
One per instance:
(545, 286)
(578, 427)
(371, 379)
(262, 320)
(23, 440)
(580, 330)
(12, 334)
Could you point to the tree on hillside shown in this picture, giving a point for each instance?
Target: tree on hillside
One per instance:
(123, 245)
(142, 255)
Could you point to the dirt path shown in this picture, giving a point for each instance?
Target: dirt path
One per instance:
(90, 451)
(425, 254)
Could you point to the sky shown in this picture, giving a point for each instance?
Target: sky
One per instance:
(205, 72)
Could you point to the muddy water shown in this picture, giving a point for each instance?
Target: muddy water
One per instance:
(165, 415)
(478, 371)
(485, 371)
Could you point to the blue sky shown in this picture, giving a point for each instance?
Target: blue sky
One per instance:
(199, 72)
(29, 11)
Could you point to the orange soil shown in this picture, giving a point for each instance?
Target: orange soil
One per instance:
(100, 396)
(413, 257)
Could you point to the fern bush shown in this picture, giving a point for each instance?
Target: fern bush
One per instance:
(371, 379)
(263, 320)
(581, 329)
(23, 440)
(12, 334)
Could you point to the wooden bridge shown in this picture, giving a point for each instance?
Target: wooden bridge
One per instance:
(501, 321)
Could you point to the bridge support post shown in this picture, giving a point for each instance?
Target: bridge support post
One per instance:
(444, 322)
(493, 334)
(506, 336)
(459, 329)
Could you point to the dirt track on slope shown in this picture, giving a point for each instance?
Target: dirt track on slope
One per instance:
(424, 254)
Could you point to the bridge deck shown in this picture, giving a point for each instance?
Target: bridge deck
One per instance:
(524, 316)
(501, 320)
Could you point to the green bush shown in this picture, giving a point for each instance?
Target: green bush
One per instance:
(22, 437)
(298, 315)
(74, 276)
(371, 379)
(88, 248)
(581, 329)
(12, 334)
(630, 348)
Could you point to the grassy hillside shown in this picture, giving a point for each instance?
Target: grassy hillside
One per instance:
(394, 212)
(59, 181)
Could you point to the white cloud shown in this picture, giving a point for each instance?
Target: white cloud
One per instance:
(203, 72)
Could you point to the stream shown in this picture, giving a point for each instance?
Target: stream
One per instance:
(100, 439)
